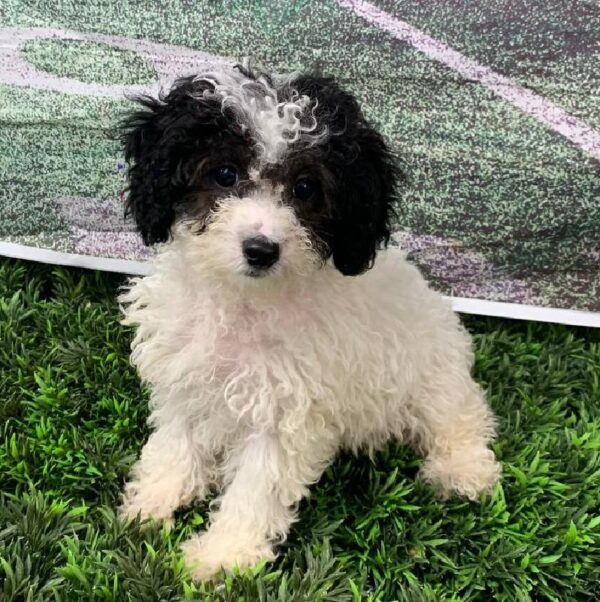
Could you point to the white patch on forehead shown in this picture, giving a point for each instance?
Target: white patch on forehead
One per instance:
(266, 188)
(273, 124)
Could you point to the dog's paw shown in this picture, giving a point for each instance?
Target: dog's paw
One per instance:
(467, 471)
(146, 505)
(207, 555)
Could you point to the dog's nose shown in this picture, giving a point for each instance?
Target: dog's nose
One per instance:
(260, 252)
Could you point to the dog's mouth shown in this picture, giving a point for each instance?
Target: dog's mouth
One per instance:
(258, 273)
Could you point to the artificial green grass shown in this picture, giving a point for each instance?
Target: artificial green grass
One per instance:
(72, 416)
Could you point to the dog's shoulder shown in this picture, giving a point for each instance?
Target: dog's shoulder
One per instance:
(393, 274)
(398, 292)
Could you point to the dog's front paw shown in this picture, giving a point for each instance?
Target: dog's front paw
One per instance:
(146, 503)
(467, 471)
(208, 554)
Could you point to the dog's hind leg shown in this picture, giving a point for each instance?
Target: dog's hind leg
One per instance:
(168, 475)
(453, 426)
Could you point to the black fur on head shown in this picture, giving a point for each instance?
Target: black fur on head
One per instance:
(162, 141)
(169, 140)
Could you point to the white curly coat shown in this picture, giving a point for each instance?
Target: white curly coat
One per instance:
(257, 383)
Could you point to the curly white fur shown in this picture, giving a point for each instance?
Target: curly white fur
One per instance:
(256, 383)
(275, 124)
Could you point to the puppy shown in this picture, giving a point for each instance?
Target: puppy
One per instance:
(268, 334)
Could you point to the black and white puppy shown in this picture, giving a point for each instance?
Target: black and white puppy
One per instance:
(262, 355)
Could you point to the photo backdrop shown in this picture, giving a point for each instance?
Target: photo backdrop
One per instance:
(492, 105)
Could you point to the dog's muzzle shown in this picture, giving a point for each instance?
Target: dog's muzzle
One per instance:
(260, 253)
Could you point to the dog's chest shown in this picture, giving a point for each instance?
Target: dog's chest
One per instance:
(253, 336)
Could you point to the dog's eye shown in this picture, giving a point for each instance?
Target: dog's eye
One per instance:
(304, 188)
(226, 176)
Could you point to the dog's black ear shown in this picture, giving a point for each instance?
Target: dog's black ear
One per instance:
(150, 197)
(160, 140)
(366, 173)
(364, 204)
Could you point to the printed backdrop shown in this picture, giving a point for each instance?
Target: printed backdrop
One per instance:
(492, 105)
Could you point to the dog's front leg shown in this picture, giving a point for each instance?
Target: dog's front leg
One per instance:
(257, 507)
(169, 474)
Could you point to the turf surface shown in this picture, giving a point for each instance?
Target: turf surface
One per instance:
(549, 46)
(72, 417)
(87, 62)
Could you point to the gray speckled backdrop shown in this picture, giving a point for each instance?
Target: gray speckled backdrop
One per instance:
(499, 206)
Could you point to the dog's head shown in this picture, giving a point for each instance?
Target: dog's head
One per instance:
(267, 176)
